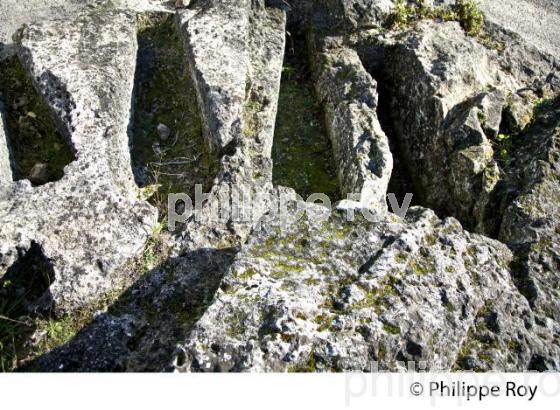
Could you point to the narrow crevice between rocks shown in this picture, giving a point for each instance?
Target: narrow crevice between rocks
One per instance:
(404, 178)
(401, 182)
(168, 150)
(39, 151)
(302, 152)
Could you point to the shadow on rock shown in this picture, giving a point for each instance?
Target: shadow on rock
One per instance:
(140, 331)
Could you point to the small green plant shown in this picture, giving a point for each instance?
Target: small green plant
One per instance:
(470, 16)
(310, 366)
(402, 14)
(391, 329)
(154, 252)
(466, 12)
(481, 117)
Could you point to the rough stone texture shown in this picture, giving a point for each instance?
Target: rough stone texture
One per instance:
(238, 84)
(89, 223)
(317, 295)
(216, 37)
(346, 15)
(15, 13)
(530, 223)
(141, 330)
(361, 148)
(522, 16)
(447, 92)
(336, 295)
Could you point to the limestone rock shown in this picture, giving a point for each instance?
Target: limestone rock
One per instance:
(89, 223)
(361, 148)
(449, 95)
(470, 124)
(337, 296)
(529, 223)
(39, 174)
(238, 85)
(163, 131)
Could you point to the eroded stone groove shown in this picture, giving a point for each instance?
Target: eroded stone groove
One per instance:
(302, 152)
(237, 85)
(169, 154)
(39, 151)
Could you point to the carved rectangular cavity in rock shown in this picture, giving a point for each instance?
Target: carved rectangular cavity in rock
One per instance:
(90, 222)
(169, 153)
(39, 151)
(302, 152)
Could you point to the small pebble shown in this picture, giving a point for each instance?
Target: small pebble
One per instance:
(39, 174)
(163, 131)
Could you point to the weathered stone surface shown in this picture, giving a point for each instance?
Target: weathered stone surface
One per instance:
(361, 148)
(216, 36)
(522, 16)
(347, 15)
(144, 326)
(448, 93)
(335, 295)
(238, 89)
(474, 122)
(530, 223)
(235, 50)
(15, 13)
(89, 223)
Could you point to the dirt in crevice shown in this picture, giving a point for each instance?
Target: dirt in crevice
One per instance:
(302, 151)
(39, 152)
(164, 96)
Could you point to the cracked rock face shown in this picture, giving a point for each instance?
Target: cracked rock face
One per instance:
(469, 124)
(450, 98)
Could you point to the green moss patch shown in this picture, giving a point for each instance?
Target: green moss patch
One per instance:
(302, 153)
